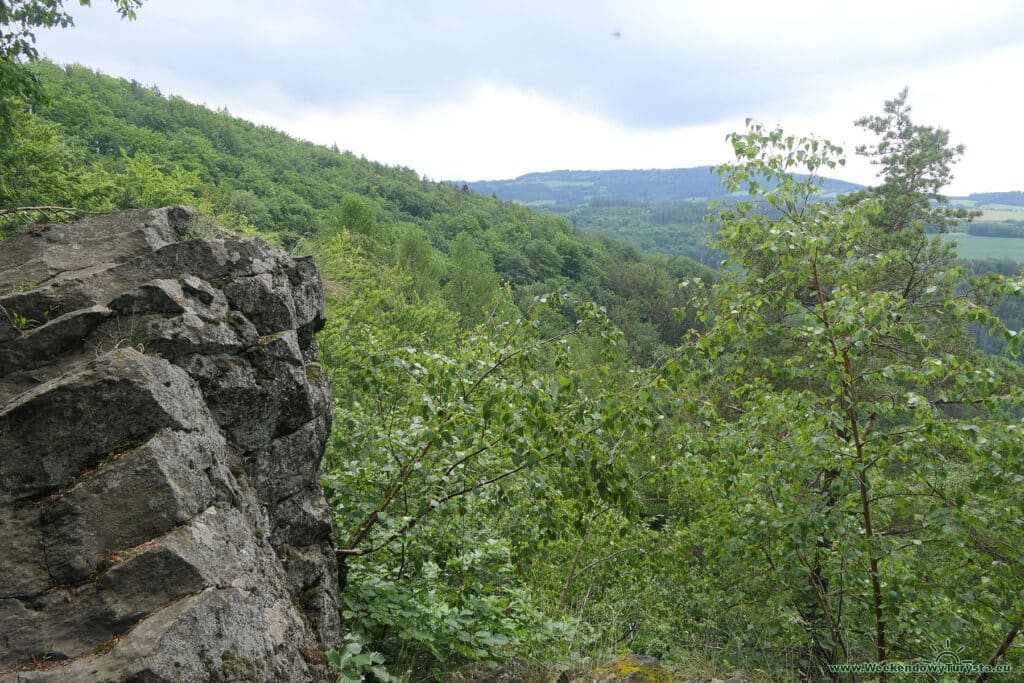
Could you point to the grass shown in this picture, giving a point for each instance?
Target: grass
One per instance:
(975, 247)
(987, 206)
(997, 215)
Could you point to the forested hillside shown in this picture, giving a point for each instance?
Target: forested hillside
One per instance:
(652, 186)
(1008, 198)
(679, 229)
(552, 448)
(102, 142)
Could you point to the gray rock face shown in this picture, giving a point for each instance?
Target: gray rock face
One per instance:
(162, 419)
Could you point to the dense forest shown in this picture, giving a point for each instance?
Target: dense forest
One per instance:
(1008, 198)
(653, 186)
(669, 211)
(550, 446)
(107, 143)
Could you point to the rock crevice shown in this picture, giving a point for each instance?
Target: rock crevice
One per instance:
(162, 422)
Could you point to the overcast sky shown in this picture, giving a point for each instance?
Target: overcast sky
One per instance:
(479, 89)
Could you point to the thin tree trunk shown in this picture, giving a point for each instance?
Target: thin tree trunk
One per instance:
(1003, 648)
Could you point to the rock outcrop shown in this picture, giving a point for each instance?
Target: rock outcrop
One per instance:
(629, 668)
(162, 418)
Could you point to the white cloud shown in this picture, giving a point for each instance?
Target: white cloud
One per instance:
(499, 132)
(469, 89)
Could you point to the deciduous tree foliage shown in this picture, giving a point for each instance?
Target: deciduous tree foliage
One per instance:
(19, 21)
(455, 455)
(826, 470)
(297, 190)
(860, 462)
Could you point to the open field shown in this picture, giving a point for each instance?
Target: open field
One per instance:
(1002, 215)
(995, 206)
(974, 247)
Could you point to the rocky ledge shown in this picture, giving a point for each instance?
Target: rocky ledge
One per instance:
(162, 419)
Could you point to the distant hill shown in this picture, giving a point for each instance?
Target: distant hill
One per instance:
(652, 186)
(113, 143)
(663, 210)
(1004, 198)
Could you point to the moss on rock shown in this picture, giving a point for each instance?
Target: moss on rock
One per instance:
(632, 668)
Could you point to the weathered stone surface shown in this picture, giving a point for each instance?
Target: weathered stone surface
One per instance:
(630, 668)
(39, 345)
(266, 300)
(53, 432)
(60, 248)
(8, 330)
(145, 492)
(21, 537)
(198, 639)
(308, 295)
(161, 428)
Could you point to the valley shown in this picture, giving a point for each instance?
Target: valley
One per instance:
(561, 429)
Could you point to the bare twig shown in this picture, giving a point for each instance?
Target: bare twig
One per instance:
(40, 209)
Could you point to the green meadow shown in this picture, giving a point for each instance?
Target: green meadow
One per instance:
(976, 247)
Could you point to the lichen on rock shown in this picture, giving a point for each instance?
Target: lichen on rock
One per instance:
(631, 668)
(161, 429)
